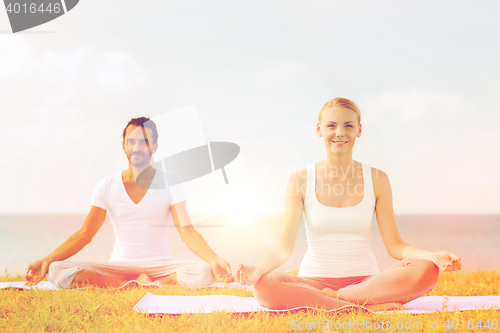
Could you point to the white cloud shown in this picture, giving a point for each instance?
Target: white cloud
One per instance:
(80, 68)
(434, 144)
(55, 93)
(116, 70)
(413, 105)
(14, 56)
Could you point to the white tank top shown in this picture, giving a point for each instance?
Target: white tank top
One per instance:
(338, 238)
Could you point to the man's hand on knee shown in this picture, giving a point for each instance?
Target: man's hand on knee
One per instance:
(221, 270)
(36, 271)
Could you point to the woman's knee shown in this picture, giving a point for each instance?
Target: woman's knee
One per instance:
(428, 268)
(431, 272)
(264, 282)
(425, 272)
(265, 288)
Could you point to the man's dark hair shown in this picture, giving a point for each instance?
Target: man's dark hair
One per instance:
(143, 122)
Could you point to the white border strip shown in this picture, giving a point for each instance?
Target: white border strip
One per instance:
(64, 6)
(210, 154)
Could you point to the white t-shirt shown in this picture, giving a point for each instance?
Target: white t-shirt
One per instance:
(140, 229)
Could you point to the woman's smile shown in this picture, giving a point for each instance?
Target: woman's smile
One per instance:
(339, 128)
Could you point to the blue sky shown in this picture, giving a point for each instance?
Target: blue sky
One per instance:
(425, 74)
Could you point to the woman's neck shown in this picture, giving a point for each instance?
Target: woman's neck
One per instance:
(339, 165)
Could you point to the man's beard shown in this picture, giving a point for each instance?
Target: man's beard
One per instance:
(143, 161)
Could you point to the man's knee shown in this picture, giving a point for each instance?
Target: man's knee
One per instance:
(61, 273)
(53, 269)
(195, 275)
(208, 276)
(54, 273)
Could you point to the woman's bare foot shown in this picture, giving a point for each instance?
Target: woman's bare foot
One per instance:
(384, 306)
(329, 292)
(374, 307)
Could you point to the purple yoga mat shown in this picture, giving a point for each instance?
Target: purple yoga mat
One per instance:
(151, 304)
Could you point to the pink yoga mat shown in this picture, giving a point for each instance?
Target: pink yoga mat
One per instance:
(45, 285)
(152, 304)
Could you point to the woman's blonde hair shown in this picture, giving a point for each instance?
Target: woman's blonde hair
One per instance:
(342, 102)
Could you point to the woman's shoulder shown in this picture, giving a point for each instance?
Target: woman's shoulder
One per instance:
(378, 175)
(380, 181)
(299, 175)
(297, 182)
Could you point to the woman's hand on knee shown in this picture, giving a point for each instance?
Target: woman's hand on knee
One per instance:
(247, 274)
(446, 261)
(329, 292)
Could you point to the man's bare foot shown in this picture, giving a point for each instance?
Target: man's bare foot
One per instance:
(145, 280)
(155, 283)
(329, 292)
(384, 306)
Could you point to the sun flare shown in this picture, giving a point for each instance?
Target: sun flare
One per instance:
(241, 207)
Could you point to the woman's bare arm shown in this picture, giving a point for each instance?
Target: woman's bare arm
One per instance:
(394, 244)
(283, 249)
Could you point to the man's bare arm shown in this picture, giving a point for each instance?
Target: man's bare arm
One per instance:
(37, 270)
(197, 244)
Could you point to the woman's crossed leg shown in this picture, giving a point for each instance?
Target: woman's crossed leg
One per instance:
(400, 283)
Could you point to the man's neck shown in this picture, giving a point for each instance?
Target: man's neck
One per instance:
(139, 175)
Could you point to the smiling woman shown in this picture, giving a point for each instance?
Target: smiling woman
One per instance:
(339, 267)
(343, 133)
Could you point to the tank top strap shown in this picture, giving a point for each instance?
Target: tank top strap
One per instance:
(368, 183)
(310, 183)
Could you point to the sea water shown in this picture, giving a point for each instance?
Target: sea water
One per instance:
(474, 238)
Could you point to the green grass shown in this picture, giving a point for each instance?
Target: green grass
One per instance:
(110, 310)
